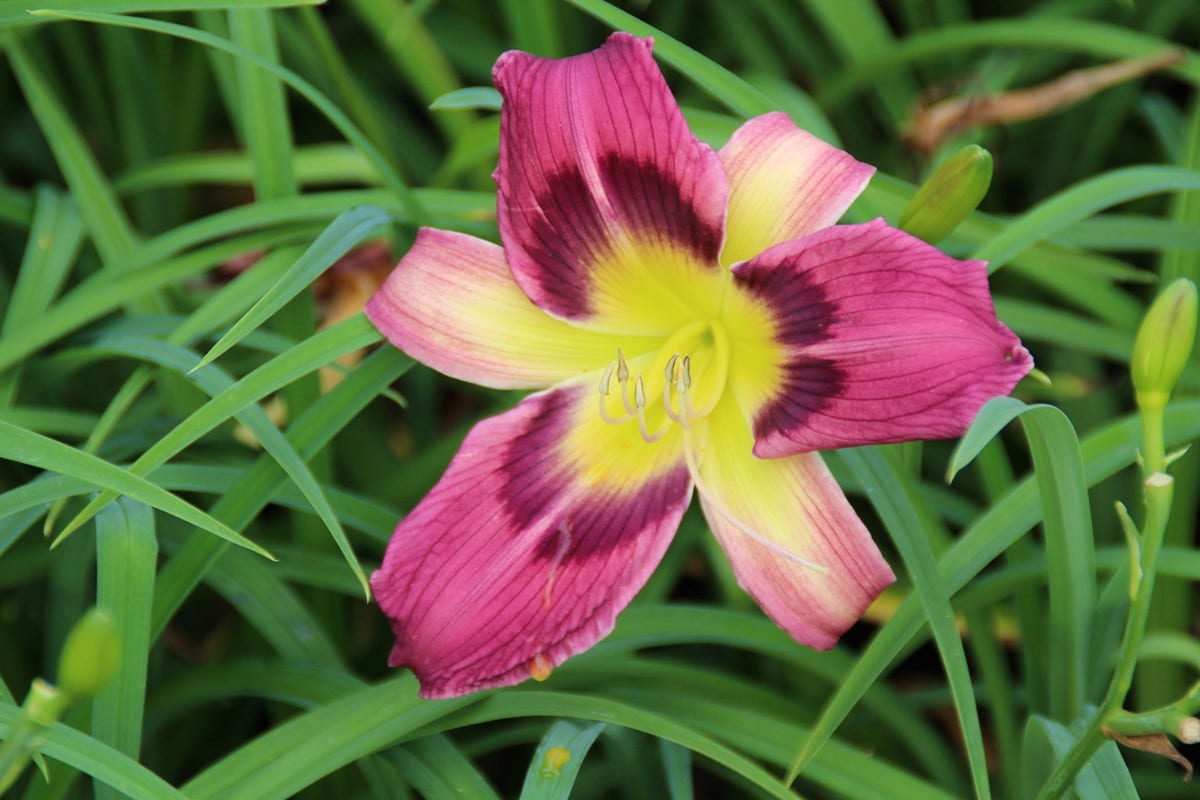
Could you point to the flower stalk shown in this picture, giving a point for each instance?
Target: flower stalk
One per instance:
(1161, 351)
(1178, 719)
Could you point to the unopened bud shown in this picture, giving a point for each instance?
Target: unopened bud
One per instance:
(1164, 344)
(948, 195)
(90, 656)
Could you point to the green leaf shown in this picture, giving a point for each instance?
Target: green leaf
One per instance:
(97, 759)
(307, 434)
(557, 760)
(1067, 521)
(106, 220)
(26, 13)
(755, 720)
(126, 559)
(1079, 279)
(334, 163)
(213, 382)
(313, 353)
(301, 751)
(1061, 35)
(509, 705)
(677, 765)
(474, 97)
(893, 496)
(17, 444)
(266, 128)
(1047, 742)
(437, 768)
(1079, 202)
(403, 193)
(224, 304)
(104, 292)
(644, 626)
(53, 245)
(349, 230)
(859, 30)
(272, 608)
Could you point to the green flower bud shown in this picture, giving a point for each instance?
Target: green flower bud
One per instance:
(90, 655)
(948, 195)
(1164, 344)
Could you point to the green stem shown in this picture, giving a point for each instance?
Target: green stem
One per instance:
(1159, 490)
(1155, 452)
(1162, 720)
(1177, 719)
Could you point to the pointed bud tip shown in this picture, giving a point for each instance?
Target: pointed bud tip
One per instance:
(1164, 343)
(951, 193)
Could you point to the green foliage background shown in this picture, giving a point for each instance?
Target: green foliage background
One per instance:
(140, 153)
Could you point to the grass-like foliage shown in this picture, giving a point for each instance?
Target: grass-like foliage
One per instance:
(200, 434)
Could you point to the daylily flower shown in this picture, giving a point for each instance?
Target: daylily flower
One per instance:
(695, 323)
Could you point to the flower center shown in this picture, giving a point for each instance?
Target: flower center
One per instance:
(681, 383)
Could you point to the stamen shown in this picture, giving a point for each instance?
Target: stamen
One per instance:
(605, 384)
(639, 399)
(669, 372)
(606, 379)
(639, 393)
(682, 384)
(672, 377)
(623, 379)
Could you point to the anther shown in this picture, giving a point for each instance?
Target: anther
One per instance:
(672, 375)
(623, 379)
(605, 383)
(682, 385)
(639, 393)
(606, 379)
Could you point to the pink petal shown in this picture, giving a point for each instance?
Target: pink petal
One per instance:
(889, 340)
(523, 554)
(784, 183)
(795, 544)
(599, 174)
(451, 303)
